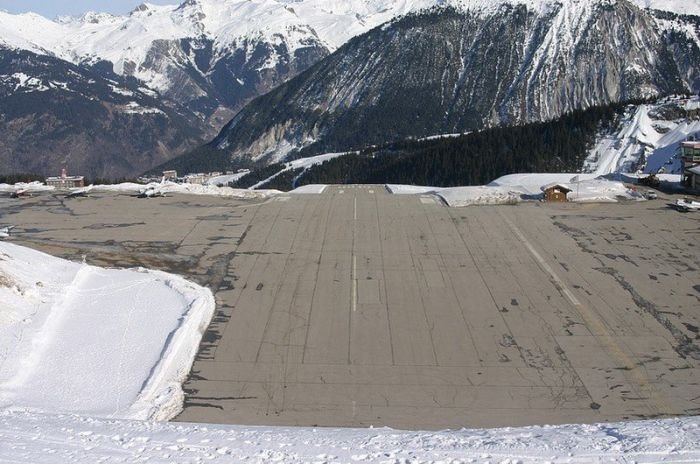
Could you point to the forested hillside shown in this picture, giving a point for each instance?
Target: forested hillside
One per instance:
(473, 159)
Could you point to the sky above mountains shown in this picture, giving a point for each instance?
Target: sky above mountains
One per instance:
(54, 8)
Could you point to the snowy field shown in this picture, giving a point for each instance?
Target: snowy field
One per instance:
(50, 438)
(101, 342)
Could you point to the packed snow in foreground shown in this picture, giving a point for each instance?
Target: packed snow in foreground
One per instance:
(49, 438)
(102, 342)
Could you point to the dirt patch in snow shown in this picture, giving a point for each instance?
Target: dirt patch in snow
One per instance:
(6, 281)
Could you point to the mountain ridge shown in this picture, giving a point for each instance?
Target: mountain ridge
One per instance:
(205, 60)
(433, 72)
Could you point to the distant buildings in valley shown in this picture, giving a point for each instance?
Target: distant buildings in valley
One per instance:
(64, 181)
(190, 178)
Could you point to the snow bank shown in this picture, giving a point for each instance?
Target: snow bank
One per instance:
(228, 192)
(602, 190)
(410, 189)
(29, 187)
(458, 197)
(104, 342)
(514, 188)
(585, 187)
(310, 189)
(47, 439)
(532, 183)
(189, 189)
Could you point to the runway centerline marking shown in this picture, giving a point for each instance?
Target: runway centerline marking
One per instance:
(354, 283)
(555, 278)
(354, 261)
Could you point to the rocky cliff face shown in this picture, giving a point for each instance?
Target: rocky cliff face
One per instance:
(460, 69)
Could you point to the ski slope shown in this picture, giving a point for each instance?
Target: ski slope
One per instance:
(301, 163)
(648, 140)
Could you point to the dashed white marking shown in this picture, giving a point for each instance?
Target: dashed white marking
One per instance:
(555, 278)
(426, 200)
(354, 283)
(341, 192)
(282, 198)
(597, 326)
(371, 192)
(355, 210)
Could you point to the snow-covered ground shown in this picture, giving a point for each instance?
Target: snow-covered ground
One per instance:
(458, 197)
(514, 188)
(398, 189)
(310, 189)
(100, 342)
(226, 179)
(28, 187)
(648, 140)
(189, 189)
(48, 439)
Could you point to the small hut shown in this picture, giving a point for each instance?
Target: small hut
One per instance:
(556, 192)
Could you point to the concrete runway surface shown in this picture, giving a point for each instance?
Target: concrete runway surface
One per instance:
(355, 307)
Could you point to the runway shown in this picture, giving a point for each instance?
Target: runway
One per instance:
(356, 307)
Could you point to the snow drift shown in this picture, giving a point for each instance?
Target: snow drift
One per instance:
(104, 342)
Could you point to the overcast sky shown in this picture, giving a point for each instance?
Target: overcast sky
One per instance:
(53, 8)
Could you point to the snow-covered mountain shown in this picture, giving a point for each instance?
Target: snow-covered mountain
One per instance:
(456, 69)
(205, 54)
(209, 58)
(202, 57)
(226, 51)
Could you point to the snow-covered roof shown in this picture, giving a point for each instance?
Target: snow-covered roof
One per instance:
(557, 185)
